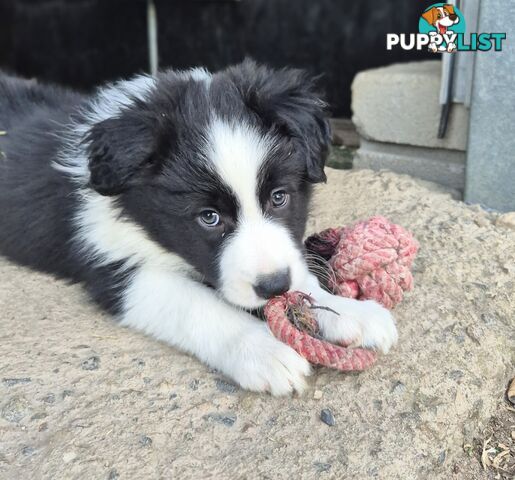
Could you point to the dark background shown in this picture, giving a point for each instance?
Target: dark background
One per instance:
(82, 43)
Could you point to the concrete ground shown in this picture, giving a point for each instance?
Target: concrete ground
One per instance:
(81, 398)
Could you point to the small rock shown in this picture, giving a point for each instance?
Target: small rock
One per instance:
(441, 457)
(321, 467)
(373, 472)
(9, 382)
(456, 375)
(398, 388)
(66, 393)
(327, 417)
(92, 363)
(224, 386)
(50, 398)
(271, 421)
(43, 427)
(15, 409)
(227, 419)
(507, 220)
(39, 416)
(194, 384)
(113, 474)
(145, 441)
(317, 395)
(27, 450)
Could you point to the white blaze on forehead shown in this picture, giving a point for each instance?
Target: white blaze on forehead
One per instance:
(237, 152)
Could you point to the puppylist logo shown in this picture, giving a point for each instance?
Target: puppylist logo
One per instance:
(442, 28)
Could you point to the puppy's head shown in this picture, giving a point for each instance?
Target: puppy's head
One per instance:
(217, 169)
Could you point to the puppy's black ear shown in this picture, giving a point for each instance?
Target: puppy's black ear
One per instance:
(288, 101)
(119, 148)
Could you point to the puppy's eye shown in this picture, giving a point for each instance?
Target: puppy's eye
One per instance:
(209, 218)
(279, 198)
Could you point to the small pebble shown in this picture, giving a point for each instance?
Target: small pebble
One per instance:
(456, 375)
(227, 419)
(27, 450)
(50, 398)
(66, 393)
(113, 474)
(92, 363)
(194, 384)
(39, 416)
(321, 467)
(327, 417)
(15, 410)
(145, 441)
(398, 388)
(224, 386)
(317, 395)
(9, 382)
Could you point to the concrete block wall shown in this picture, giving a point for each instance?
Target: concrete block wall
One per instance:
(396, 111)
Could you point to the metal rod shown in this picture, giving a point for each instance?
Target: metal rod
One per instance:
(153, 58)
(448, 81)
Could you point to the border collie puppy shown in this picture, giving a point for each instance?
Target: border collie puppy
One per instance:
(180, 202)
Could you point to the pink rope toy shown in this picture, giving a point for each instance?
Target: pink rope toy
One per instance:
(370, 260)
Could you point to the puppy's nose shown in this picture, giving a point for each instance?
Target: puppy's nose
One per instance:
(453, 17)
(274, 284)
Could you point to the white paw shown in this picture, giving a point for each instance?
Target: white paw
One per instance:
(359, 323)
(261, 363)
(433, 48)
(451, 47)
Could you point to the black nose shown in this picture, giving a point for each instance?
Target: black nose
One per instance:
(274, 284)
(453, 17)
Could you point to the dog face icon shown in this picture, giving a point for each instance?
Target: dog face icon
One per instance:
(441, 18)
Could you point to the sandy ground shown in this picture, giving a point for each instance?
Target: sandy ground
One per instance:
(81, 398)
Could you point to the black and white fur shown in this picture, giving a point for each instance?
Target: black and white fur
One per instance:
(114, 190)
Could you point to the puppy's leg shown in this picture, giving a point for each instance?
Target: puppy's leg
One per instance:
(353, 322)
(193, 318)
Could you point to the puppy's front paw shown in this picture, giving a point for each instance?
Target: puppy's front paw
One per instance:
(261, 363)
(451, 47)
(359, 323)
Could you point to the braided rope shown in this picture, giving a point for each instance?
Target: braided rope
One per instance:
(317, 352)
(369, 260)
